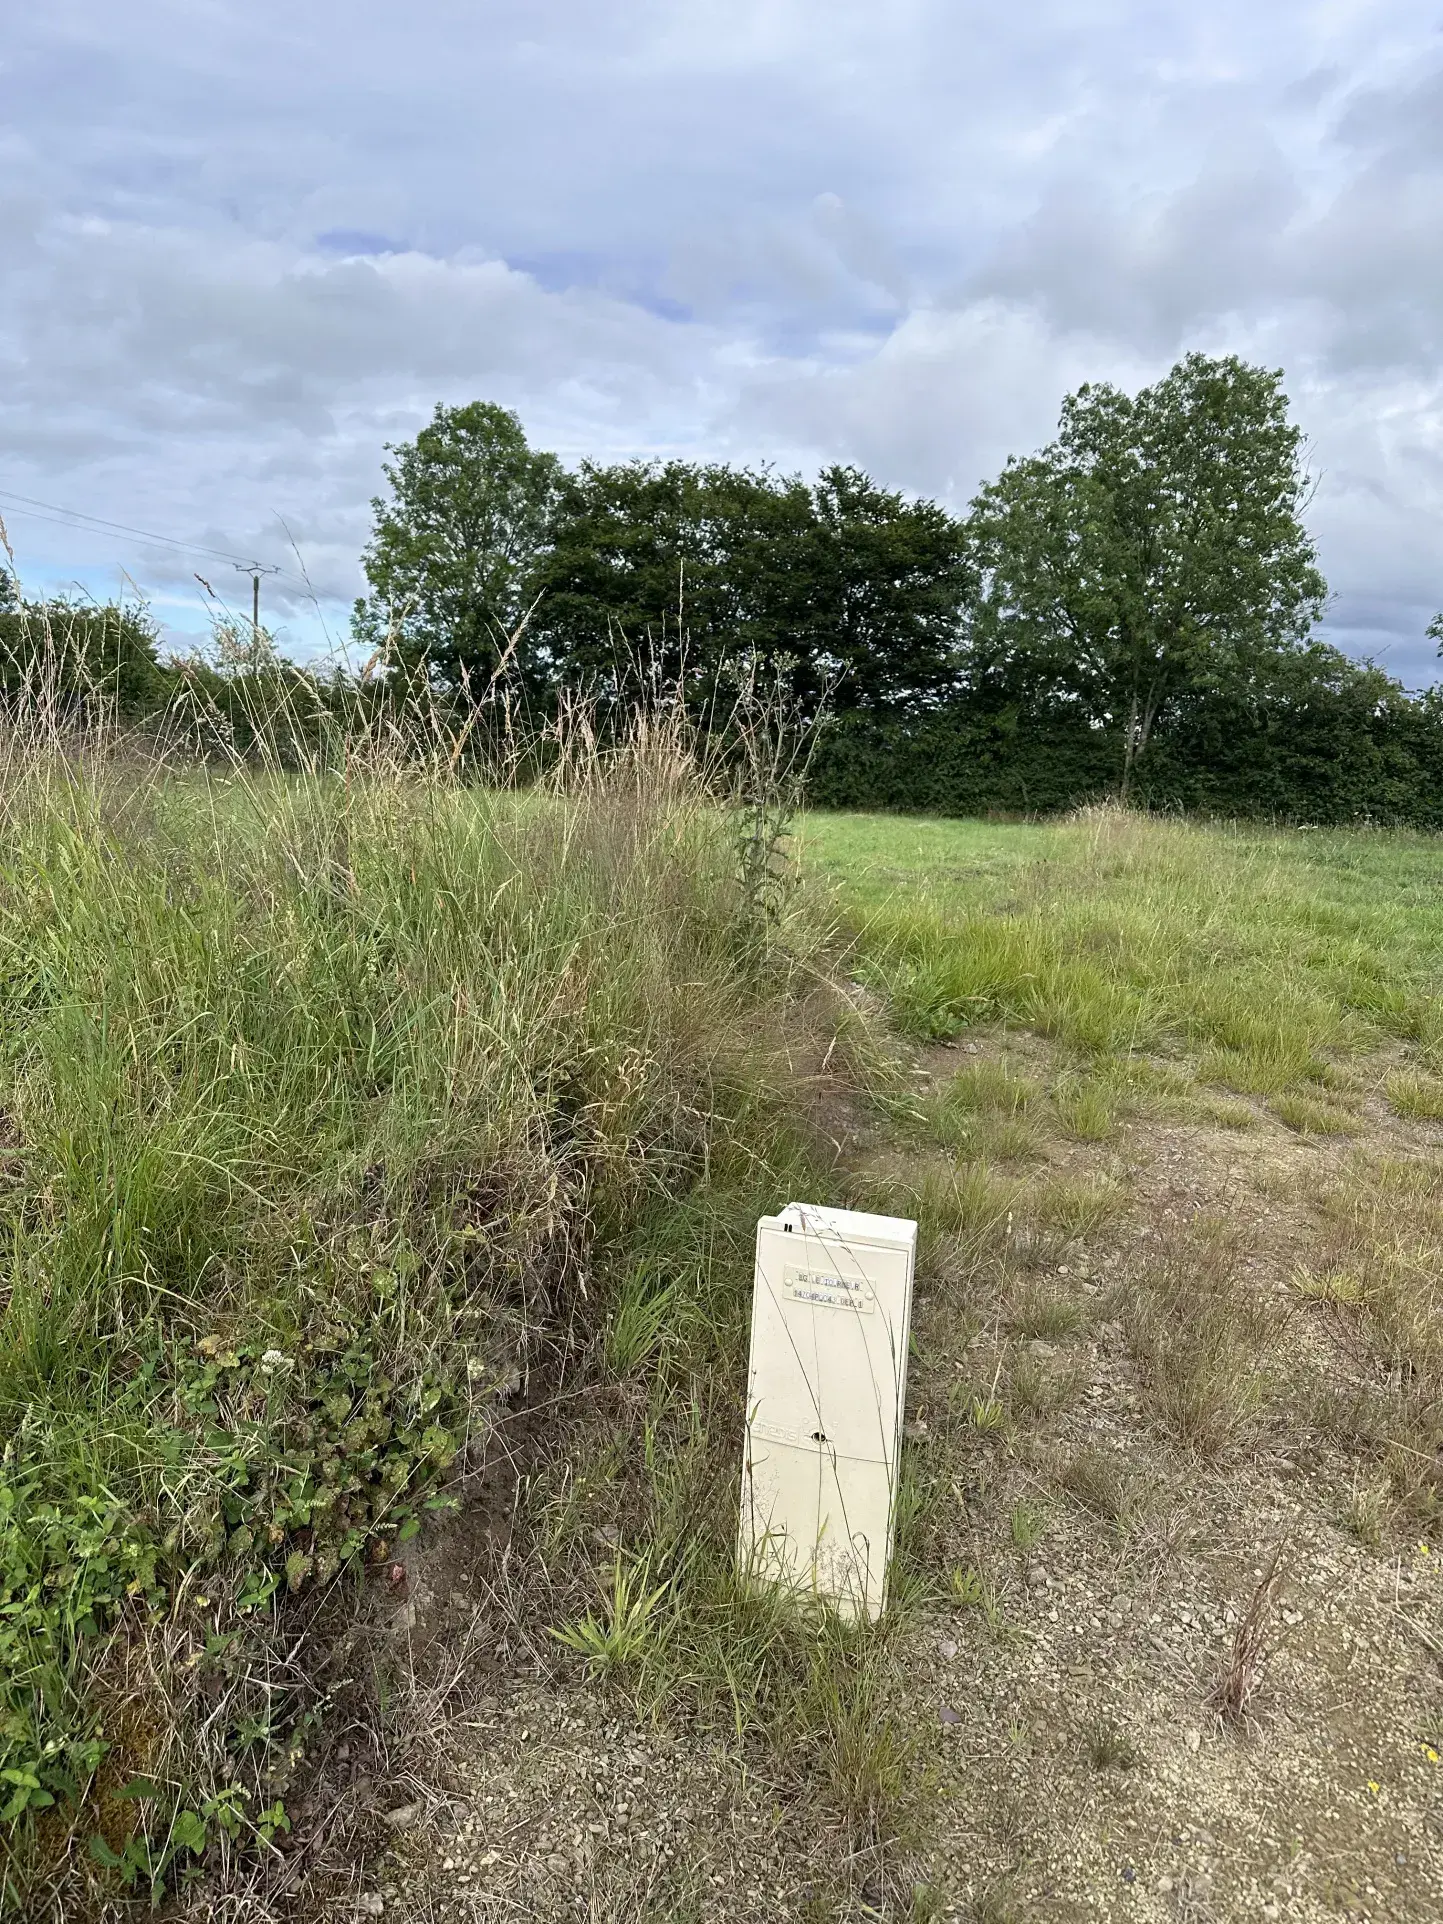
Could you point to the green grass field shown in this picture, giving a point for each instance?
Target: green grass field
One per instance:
(1262, 956)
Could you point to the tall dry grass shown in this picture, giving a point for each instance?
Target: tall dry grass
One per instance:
(332, 1084)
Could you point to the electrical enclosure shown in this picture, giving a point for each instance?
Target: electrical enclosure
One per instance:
(831, 1317)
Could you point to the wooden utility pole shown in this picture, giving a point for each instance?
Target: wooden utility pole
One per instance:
(255, 571)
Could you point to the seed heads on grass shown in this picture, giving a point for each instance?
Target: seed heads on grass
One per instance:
(1241, 1676)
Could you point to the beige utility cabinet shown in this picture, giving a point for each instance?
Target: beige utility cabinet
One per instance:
(831, 1317)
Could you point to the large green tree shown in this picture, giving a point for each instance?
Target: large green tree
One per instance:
(841, 586)
(455, 545)
(887, 581)
(671, 569)
(1154, 550)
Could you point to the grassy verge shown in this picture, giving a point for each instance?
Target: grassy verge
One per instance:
(327, 1104)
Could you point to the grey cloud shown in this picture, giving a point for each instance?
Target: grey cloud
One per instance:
(243, 247)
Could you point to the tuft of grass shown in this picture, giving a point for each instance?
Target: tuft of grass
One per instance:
(962, 1213)
(1103, 1485)
(1039, 1390)
(1039, 1308)
(988, 1414)
(1028, 1524)
(1071, 1207)
(1309, 1117)
(1338, 1288)
(641, 1312)
(974, 1588)
(628, 1631)
(986, 1111)
(1202, 1338)
(844, 1715)
(1108, 1746)
(990, 1087)
(1368, 1512)
(1386, 1276)
(1418, 1097)
(1086, 1110)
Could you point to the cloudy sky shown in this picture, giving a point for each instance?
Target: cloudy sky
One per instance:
(242, 246)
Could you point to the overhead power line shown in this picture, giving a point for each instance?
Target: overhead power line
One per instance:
(75, 517)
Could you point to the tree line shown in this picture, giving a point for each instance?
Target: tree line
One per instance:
(1131, 609)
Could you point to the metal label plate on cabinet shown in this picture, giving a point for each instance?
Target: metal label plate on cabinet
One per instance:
(829, 1290)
